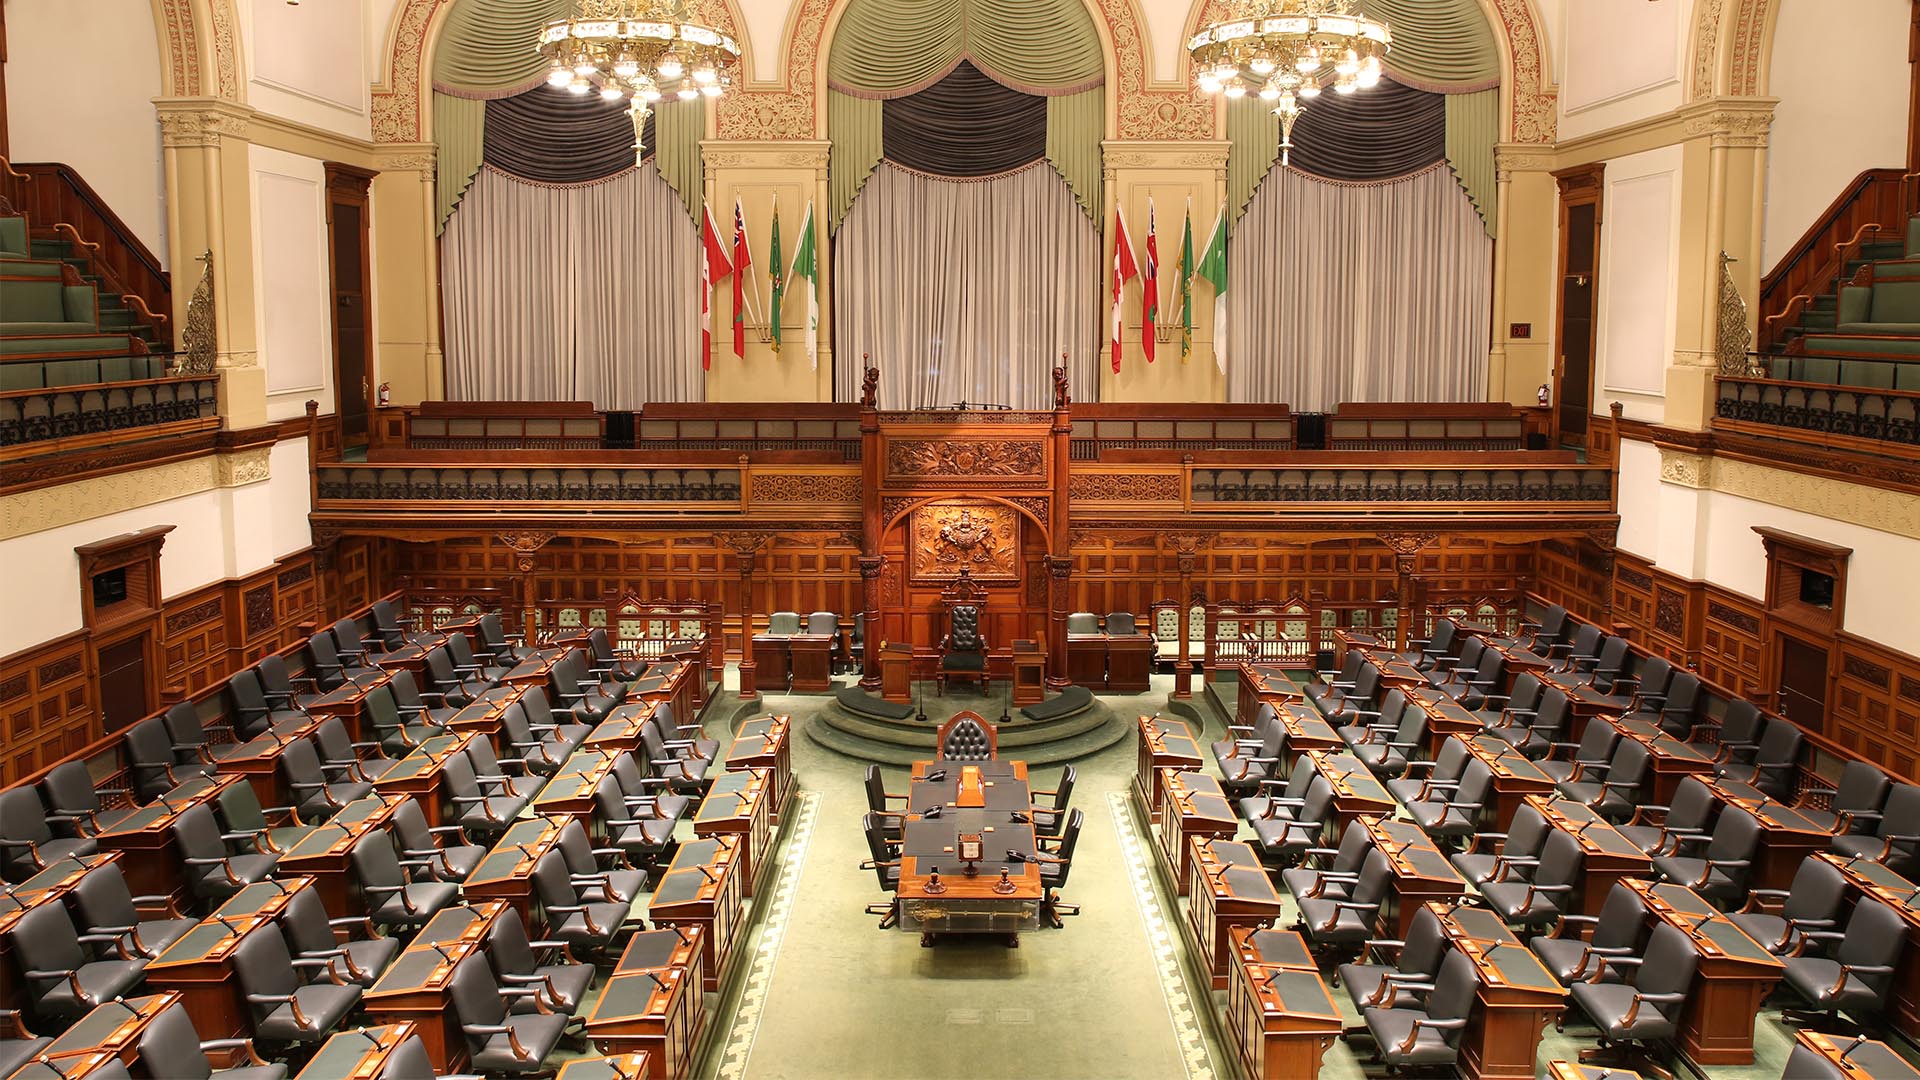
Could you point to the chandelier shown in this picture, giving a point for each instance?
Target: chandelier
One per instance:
(1288, 52)
(638, 50)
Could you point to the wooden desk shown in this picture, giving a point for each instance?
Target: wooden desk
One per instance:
(1257, 685)
(417, 989)
(152, 866)
(1357, 793)
(356, 1055)
(1569, 1070)
(1895, 891)
(766, 743)
(1583, 703)
(482, 717)
(1229, 890)
(772, 662)
(653, 1004)
(535, 670)
(569, 791)
(1087, 660)
(1608, 856)
(936, 896)
(1735, 976)
(419, 774)
(1672, 762)
(702, 887)
(1280, 1016)
(738, 803)
(1515, 777)
(349, 703)
(676, 682)
(811, 658)
(1787, 836)
(1518, 996)
(112, 1029)
(1304, 730)
(258, 761)
(326, 853)
(505, 873)
(1446, 717)
(199, 966)
(1394, 670)
(621, 729)
(1029, 676)
(1161, 743)
(617, 1067)
(1421, 872)
(1859, 1059)
(1193, 805)
(1129, 663)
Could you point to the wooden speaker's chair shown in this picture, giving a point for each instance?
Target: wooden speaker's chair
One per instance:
(967, 737)
(963, 652)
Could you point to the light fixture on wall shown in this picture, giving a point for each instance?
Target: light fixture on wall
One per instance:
(1287, 52)
(640, 51)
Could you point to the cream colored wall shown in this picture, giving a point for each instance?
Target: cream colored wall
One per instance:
(219, 532)
(1166, 175)
(1620, 61)
(292, 294)
(1639, 266)
(1842, 85)
(96, 116)
(306, 62)
(1527, 250)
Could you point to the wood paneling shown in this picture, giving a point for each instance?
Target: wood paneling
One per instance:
(1875, 710)
(1575, 574)
(1731, 651)
(47, 706)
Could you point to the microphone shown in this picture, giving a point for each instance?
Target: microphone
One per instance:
(659, 982)
(709, 876)
(1020, 816)
(1852, 1046)
(932, 811)
(222, 920)
(935, 775)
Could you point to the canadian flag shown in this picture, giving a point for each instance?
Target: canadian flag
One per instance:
(1124, 270)
(714, 269)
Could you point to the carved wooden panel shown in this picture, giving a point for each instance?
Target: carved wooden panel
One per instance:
(194, 643)
(1876, 707)
(1730, 642)
(981, 537)
(47, 707)
(959, 458)
(1633, 591)
(1573, 573)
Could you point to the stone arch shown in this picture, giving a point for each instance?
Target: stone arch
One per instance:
(200, 48)
(1731, 47)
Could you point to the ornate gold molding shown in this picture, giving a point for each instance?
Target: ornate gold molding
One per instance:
(1686, 470)
(764, 154)
(1164, 154)
(194, 122)
(29, 512)
(1887, 511)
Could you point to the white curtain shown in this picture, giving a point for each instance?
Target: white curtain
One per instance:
(585, 292)
(1359, 292)
(966, 290)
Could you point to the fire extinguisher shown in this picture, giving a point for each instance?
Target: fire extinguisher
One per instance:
(1543, 394)
(386, 394)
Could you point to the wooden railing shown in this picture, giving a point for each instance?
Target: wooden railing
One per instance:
(61, 205)
(1874, 206)
(57, 419)
(1858, 418)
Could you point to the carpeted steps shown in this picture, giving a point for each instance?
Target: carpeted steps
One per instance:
(1080, 726)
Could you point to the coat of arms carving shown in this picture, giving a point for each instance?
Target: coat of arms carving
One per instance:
(982, 538)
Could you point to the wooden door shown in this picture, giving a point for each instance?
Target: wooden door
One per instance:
(351, 261)
(1578, 302)
(123, 682)
(1803, 681)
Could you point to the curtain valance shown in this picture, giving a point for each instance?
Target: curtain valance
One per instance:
(964, 125)
(1377, 134)
(551, 136)
(1445, 46)
(486, 48)
(889, 48)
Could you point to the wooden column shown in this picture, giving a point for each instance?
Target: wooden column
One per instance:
(870, 567)
(1059, 561)
(1183, 666)
(1059, 573)
(748, 689)
(524, 544)
(872, 562)
(1406, 548)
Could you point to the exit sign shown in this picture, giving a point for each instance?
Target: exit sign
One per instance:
(1520, 331)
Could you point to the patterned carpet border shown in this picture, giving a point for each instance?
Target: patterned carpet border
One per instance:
(1188, 1022)
(753, 996)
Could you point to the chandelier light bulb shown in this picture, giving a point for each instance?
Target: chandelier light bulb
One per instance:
(1344, 85)
(559, 76)
(1223, 71)
(1270, 92)
(1310, 90)
(671, 67)
(686, 93)
(626, 66)
(1308, 61)
(610, 91)
(1236, 89)
(648, 93)
(1261, 65)
(579, 86)
(1209, 84)
(1349, 64)
(582, 66)
(711, 89)
(704, 74)
(1368, 77)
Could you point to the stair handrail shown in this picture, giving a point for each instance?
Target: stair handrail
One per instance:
(134, 301)
(1814, 263)
(6, 167)
(76, 211)
(73, 233)
(1792, 308)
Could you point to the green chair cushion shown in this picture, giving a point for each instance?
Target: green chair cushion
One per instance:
(13, 236)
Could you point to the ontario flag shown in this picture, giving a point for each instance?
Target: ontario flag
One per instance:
(742, 259)
(1125, 269)
(714, 268)
(1150, 288)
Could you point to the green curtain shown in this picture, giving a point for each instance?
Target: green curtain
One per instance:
(887, 48)
(678, 127)
(1253, 138)
(1473, 127)
(487, 46)
(459, 125)
(1443, 46)
(854, 124)
(1075, 125)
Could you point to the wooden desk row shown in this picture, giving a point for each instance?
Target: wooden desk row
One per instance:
(418, 987)
(766, 743)
(801, 663)
(199, 967)
(653, 1003)
(1280, 1016)
(1121, 664)
(49, 886)
(702, 888)
(1516, 999)
(1735, 975)
(1890, 888)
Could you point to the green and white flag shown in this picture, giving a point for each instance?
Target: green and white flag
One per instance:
(1185, 273)
(806, 268)
(1213, 267)
(777, 279)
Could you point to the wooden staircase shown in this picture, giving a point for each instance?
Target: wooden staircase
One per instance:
(68, 221)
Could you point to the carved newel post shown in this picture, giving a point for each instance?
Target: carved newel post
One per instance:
(870, 568)
(745, 547)
(1183, 667)
(1059, 573)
